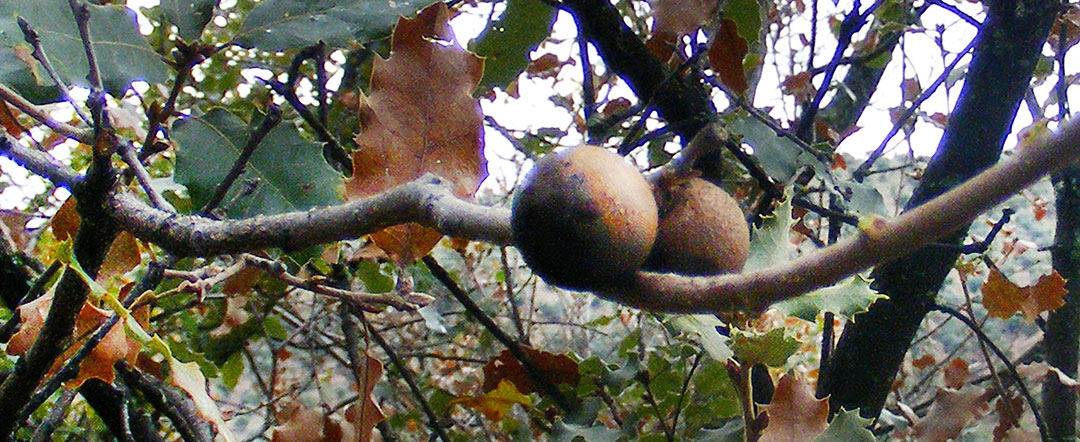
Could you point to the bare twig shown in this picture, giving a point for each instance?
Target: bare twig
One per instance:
(131, 158)
(273, 117)
(31, 37)
(369, 302)
(332, 148)
(433, 420)
(1005, 360)
(41, 115)
(861, 171)
(531, 369)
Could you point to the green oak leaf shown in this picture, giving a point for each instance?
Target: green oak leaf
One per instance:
(771, 244)
(289, 170)
(122, 53)
(849, 297)
(702, 329)
(847, 426)
(779, 156)
(189, 16)
(281, 25)
(747, 16)
(506, 43)
(772, 348)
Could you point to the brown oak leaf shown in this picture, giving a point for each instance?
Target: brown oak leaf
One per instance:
(726, 57)
(795, 414)
(420, 118)
(1002, 298)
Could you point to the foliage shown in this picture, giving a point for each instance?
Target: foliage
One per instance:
(408, 333)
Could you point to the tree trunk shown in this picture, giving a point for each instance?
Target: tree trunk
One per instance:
(871, 349)
(1062, 337)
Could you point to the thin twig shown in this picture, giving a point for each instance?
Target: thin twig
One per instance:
(433, 420)
(685, 389)
(31, 37)
(531, 369)
(1004, 359)
(185, 57)
(331, 148)
(41, 115)
(370, 302)
(131, 158)
(861, 171)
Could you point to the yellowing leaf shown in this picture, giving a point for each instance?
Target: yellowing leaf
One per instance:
(1002, 298)
(795, 414)
(189, 378)
(495, 405)
(420, 118)
(123, 255)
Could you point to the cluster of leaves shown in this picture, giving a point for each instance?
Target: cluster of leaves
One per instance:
(299, 345)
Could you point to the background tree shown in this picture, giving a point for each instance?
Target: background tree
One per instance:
(241, 212)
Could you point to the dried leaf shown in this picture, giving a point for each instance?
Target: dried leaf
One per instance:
(420, 118)
(9, 121)
(726, 56)
(13, 224)
(115, 346)
(241, 282)
(558, 368)
(235, 316)
(795, 414)
(1010, 409)
(65, 223)
(951, 412)
(366, 413)
(799, 85)
(297, 423)
(923, 362)
(675, 18)
(1002, 298)
(956, 373)
(124, 254)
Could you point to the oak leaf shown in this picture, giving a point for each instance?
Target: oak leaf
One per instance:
(115, 346)
(558, 368)
(1002, 298)
(420, 118)
(726, 57)
(365, 413)
(956, 373)
(672, 19)
(795, 414)
(495, 405)
(951, 412)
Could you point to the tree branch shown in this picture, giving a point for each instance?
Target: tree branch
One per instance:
(428, 201)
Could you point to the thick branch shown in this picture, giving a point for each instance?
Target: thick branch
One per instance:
(427, 201)
(880, 240)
